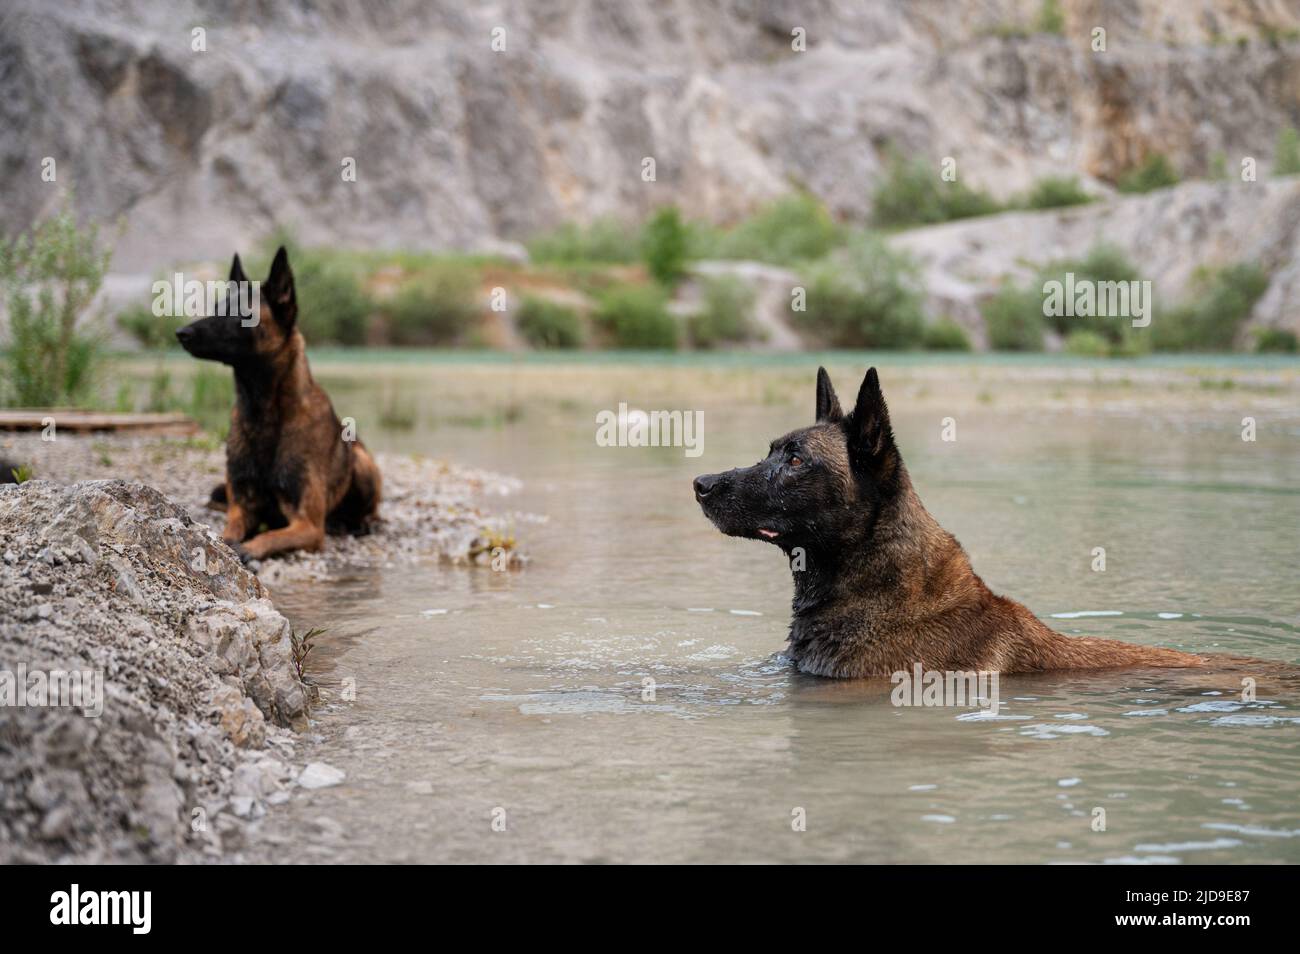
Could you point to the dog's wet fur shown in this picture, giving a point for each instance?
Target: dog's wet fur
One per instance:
(883, 586)
(290, 475)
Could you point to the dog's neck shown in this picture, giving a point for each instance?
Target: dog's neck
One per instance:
(260, 380)
(898, 551)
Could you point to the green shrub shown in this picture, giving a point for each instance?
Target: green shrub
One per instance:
(1219, 303)
(1055, 192)
(1103, 263)
(664, 244)
(637, 316)
(1276, 341)
(1286, 159)
(333, 306)
(913, 193)
(1155, 172)
(548, 324)
(1050, 19)
(871, 299)
(604, 240)
(152, 332)
(1087, 343)
(1013, 318)
(946, 335)
(793, 229)
(726, 315)
(48, 278)
(1017, 317)
(434, 307)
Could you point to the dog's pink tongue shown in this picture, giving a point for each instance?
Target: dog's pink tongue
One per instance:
(770, 534)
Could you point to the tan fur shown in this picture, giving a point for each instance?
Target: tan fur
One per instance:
(940, 614)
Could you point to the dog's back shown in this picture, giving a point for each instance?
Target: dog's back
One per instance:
(920, 601)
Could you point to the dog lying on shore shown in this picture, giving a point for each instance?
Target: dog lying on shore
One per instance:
(883, 586)
(290, 472)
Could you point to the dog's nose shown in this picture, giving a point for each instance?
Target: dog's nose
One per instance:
(184, 334)
(704, 484)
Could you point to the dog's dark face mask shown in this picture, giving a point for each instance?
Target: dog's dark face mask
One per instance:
(249, 326)
(818, 487)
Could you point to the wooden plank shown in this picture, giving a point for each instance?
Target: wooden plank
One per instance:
(33, 419)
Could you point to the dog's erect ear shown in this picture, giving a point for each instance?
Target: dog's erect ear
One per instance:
(278, 290)
(828, 405)
(237, 270)
(871, 439)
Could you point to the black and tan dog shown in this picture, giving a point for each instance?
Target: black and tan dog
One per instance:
(290, 474)
(883, 587)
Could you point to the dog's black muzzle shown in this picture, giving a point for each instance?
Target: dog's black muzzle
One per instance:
(707, 484)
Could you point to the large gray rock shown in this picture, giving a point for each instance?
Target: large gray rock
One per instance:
(197, 673)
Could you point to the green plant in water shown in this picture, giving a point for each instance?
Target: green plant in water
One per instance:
(491, 540)
(300, 646)
(48, 278)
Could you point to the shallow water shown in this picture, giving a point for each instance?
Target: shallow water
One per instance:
(526, 692)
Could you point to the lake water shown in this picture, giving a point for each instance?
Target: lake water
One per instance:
(521, 697)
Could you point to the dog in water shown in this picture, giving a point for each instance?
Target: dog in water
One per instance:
(290, 472)
(879, 586)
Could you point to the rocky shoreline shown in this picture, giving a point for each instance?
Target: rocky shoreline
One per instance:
(183, 730)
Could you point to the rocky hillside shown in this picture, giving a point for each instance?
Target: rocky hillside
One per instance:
(203, 123)
(1167, 234)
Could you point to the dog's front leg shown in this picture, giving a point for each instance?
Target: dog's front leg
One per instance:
(305, 530)
(236, 522)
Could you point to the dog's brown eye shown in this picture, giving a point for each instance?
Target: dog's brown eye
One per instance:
(796, 461)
